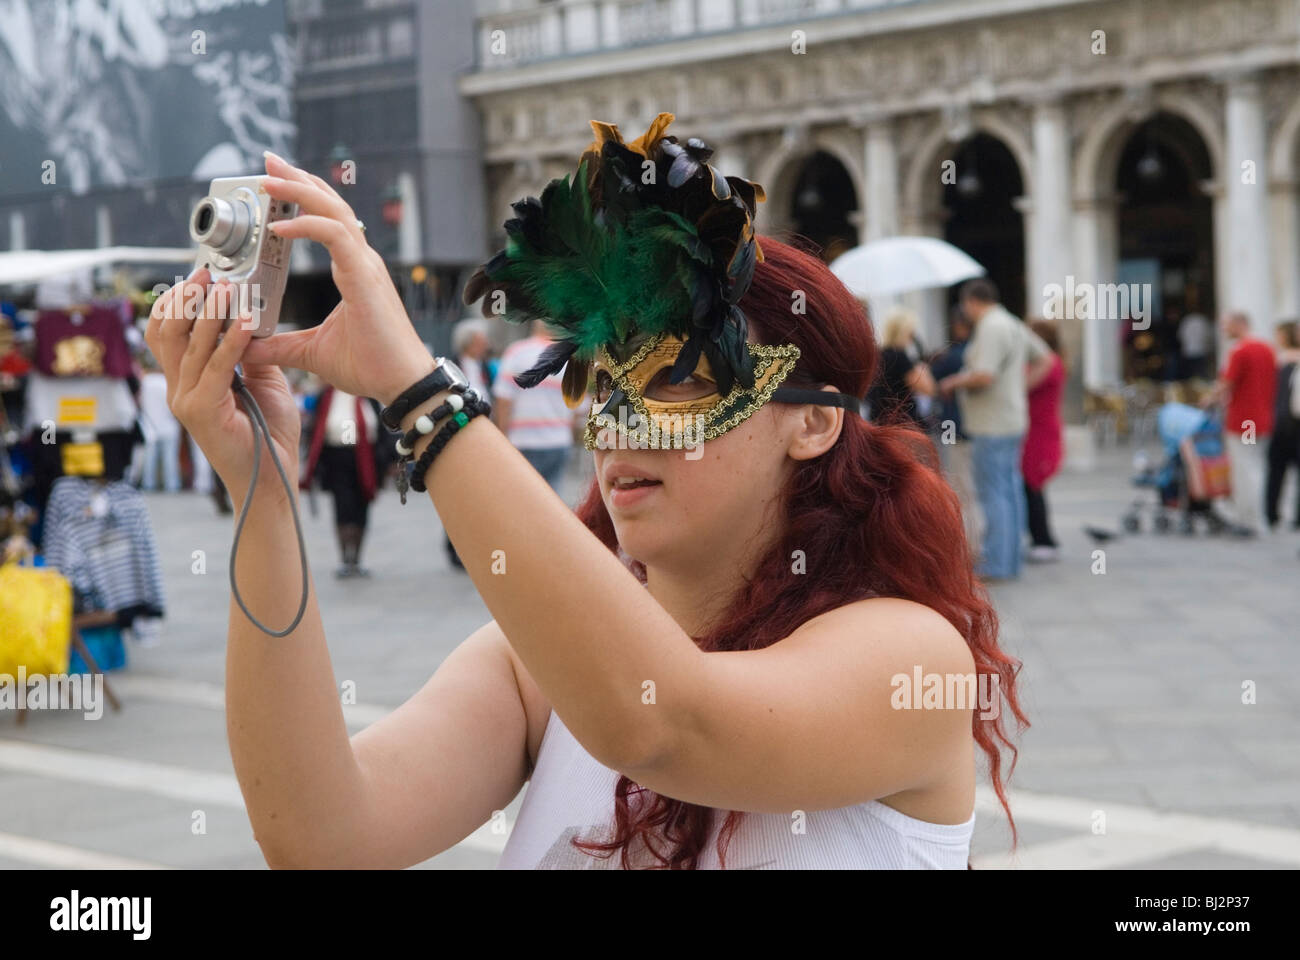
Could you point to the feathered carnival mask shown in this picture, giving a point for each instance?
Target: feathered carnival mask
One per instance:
(638, 267)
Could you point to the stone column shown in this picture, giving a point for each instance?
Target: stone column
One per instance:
(1284, 205)
(1245, 180)
(609, 36)
(1096, 239)
(879, 215)
(1053, 249)
(880, 172)
(1053, 258)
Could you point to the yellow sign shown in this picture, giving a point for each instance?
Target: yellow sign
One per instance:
(77, 409)
(83, 459)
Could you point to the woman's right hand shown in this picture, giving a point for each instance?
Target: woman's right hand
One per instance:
(199, 372)
(367, 345)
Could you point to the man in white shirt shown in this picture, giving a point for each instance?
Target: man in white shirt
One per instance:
(537, 420)
(995, 414)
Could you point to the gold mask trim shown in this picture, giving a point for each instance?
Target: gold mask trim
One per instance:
(668, 425)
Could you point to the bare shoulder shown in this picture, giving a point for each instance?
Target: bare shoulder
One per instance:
(891, 628)
(537, 709)
(886, 643)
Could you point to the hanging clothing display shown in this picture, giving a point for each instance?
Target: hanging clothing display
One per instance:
(83, 343)
(99, 536)
(95, 403)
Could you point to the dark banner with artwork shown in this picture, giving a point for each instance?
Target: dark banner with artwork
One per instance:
(106, 93)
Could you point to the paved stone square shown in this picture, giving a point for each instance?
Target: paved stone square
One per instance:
(1141, 753)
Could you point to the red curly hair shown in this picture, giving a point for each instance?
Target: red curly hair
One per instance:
(874, 518)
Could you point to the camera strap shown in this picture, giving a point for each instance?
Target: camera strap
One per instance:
(259, 424)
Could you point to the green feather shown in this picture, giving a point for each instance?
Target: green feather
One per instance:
(600, 284)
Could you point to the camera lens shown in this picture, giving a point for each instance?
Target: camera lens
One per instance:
(222, 224)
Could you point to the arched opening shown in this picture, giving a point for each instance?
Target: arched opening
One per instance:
(822, 202)
(1165, 245)
(980, 190)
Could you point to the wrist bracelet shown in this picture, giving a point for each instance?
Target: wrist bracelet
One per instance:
(427, 422)
(475, 408)
(446, 376)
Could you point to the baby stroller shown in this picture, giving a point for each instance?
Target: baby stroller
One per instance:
(1184, 490)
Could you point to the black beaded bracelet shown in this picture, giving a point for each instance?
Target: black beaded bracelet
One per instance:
(473, 408)
(445, 376)
(453, 404)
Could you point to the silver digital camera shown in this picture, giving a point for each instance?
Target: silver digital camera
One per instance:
(229, 224)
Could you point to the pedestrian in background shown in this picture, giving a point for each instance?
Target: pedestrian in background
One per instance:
(349, 456)
(902, 375)
(992, 394)
(1247, 387)
(1194, 337)
(953, 444)
(162, 432)
(470, 347)
(1284, 445)
(1044, 442)
(537, 421)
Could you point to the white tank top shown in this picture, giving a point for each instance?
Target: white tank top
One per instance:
(571, 795)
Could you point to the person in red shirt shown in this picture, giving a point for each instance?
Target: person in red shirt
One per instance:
(1246, 385)
(1044, 448)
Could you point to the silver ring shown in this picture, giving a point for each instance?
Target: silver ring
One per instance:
(361, 226)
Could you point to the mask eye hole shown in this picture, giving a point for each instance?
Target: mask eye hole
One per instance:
(604, 385)
(694, 387)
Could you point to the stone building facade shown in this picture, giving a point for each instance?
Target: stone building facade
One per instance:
(1063, 142)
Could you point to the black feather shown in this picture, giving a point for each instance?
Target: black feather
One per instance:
(687, 360)
(684, 168)
(721, 367)
(740, 273)
(476, 286)
(551, 361)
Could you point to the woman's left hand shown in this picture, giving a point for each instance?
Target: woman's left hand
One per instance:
(367, 345)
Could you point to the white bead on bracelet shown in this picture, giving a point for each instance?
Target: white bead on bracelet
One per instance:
(425, 425)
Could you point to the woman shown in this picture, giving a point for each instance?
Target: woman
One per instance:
(1044, 448)
(1284, 443)
(903, 375)
(951, 440)
(708, 652)
(348, 456)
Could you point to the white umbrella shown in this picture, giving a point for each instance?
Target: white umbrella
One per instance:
(901, 264)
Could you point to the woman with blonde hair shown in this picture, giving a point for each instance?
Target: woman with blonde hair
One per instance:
(902, 374)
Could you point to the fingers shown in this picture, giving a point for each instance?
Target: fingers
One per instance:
(281, 168)
(344, 243)
(170, 304)
(221, 303)
(214, 382)
(282, 350)
(313, 199)
(277, 166)
(170, 323)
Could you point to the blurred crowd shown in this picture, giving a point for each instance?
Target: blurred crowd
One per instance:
(84, 398)
(991, 401)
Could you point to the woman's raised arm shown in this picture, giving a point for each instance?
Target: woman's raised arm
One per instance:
(315, 798)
